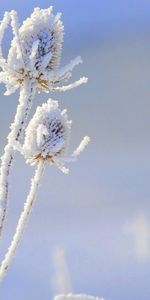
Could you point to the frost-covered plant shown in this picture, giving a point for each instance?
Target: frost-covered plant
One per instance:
(32, 65)
(46, 142)
(47, 137)
(35, 52)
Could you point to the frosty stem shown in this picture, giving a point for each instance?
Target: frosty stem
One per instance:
(23, 218)
(27, 93)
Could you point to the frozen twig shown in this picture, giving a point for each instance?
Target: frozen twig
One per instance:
(25, 101)
(82, 145)
(32, 66)
(23, 219)
(46, 140)
(3, 25)
(70, 86)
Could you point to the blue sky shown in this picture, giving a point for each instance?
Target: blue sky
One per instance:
(99, 212)
(87, 12)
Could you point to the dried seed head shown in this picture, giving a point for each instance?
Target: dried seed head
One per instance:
(35, 53)
(47, 134)
(40, 37)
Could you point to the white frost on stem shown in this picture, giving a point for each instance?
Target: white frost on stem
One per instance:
(27, 93)
(82, 146)
(74, 62)
(3, 26)
(23, 218)
(70, 86)
(15, 28)
(34, 56)
(65, 72)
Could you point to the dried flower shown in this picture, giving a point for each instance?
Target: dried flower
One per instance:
(32, 65)
(47, 136)
(41, 38)
(35, 52)
(46, 140)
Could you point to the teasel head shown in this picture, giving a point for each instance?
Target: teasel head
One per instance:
(35, 52)
(41, 37)
(47, 137)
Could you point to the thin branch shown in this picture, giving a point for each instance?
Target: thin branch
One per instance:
(15, 28)
(27, 93)
(65, 72)
(81, 146)
(23, 219)
(69, 67)
(3, 26)
(69, 86)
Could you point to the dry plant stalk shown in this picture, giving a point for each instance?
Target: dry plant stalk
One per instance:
(33, 66)
(46, 142)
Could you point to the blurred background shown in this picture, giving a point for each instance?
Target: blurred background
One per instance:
(92, 227)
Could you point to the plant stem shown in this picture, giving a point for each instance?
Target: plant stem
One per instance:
(27, 93)
(23, 218)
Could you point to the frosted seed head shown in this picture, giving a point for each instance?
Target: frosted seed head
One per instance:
(47, 134)
(41, 37)
(35, 53)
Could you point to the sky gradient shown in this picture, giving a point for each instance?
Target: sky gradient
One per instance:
(98, 214)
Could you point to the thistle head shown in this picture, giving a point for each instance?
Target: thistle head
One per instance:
(35, 53)
(40, 40)
(47, 137)
(47, 134)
